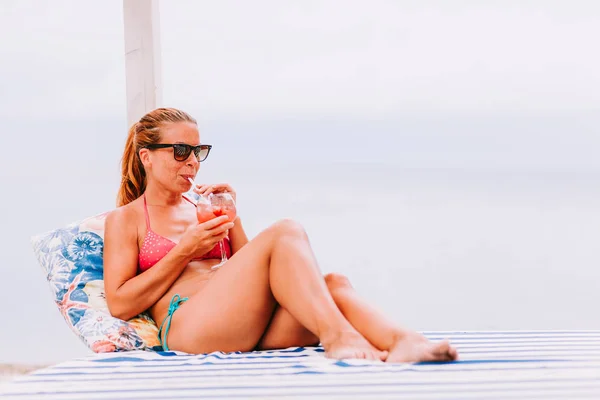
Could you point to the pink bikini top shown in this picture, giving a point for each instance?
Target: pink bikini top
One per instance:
(155, 246)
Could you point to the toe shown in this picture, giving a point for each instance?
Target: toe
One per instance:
(442, 348)
(383, 355)
(453, 354)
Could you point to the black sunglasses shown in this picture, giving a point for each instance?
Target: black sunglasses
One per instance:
(182, 151)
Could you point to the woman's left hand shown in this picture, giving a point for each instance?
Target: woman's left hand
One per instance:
(206, 189)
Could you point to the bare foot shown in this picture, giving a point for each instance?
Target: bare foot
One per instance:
(352, 345)
(414, 347)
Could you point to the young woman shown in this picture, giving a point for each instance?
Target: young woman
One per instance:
(269, 294)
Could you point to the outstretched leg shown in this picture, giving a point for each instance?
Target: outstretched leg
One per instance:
(231, 312)
(403, 345)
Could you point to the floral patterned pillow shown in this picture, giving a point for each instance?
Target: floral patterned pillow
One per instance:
(72, 260)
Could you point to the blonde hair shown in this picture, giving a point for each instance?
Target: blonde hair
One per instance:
(143, 133)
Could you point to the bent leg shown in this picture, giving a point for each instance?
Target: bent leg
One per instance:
(285, 331)
(234, 307)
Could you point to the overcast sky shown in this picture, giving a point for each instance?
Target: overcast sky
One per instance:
(272, 58)
(450, 83)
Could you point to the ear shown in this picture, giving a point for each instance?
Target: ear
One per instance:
(144, 157)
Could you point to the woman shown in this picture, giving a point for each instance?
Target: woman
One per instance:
(269, 294)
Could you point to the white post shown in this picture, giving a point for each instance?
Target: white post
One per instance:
(142, 57)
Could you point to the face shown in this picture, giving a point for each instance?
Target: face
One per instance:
(161, 166)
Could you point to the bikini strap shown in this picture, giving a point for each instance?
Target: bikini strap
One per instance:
(190, 201)
(146, 210)
(146, 213)
(174, 305)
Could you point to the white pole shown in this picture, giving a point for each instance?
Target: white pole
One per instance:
(142, 57)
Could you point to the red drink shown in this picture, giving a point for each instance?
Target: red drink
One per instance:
(205, 212)
(225, 210)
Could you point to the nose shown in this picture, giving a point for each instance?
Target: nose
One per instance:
(192, 161)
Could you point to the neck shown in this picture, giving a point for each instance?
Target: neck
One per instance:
(160, 196)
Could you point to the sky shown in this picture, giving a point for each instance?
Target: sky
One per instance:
(462, 84)
(385, 58)
(266, 59)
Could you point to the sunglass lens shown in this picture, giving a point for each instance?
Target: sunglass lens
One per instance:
(201, 152)
(181, 152)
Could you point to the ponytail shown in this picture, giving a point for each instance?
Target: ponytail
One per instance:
(133, 181)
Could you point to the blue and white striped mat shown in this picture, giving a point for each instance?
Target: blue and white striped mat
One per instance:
(493, 365)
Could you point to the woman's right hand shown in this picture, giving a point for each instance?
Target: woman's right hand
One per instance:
(199, 239)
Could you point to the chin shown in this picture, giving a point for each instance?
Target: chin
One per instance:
(185, 186)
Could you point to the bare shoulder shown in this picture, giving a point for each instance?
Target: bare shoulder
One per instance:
(123, 219)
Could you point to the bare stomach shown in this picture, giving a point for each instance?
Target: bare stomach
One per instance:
(191, 281)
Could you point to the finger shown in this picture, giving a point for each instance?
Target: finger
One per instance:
(222, 187)
(222, 228)
(209, 189)
(213, 223)
(205, 189)
(200, 188)
(222, 236)
(206, 193)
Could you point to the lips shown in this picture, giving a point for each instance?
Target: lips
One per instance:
(187, 177)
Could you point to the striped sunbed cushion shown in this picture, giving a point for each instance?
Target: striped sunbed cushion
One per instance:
(493, 365)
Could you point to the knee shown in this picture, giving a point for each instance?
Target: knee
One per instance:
(336, 281)
(288, 227)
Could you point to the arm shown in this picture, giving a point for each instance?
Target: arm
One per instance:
(237, 236)
(127, 293)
